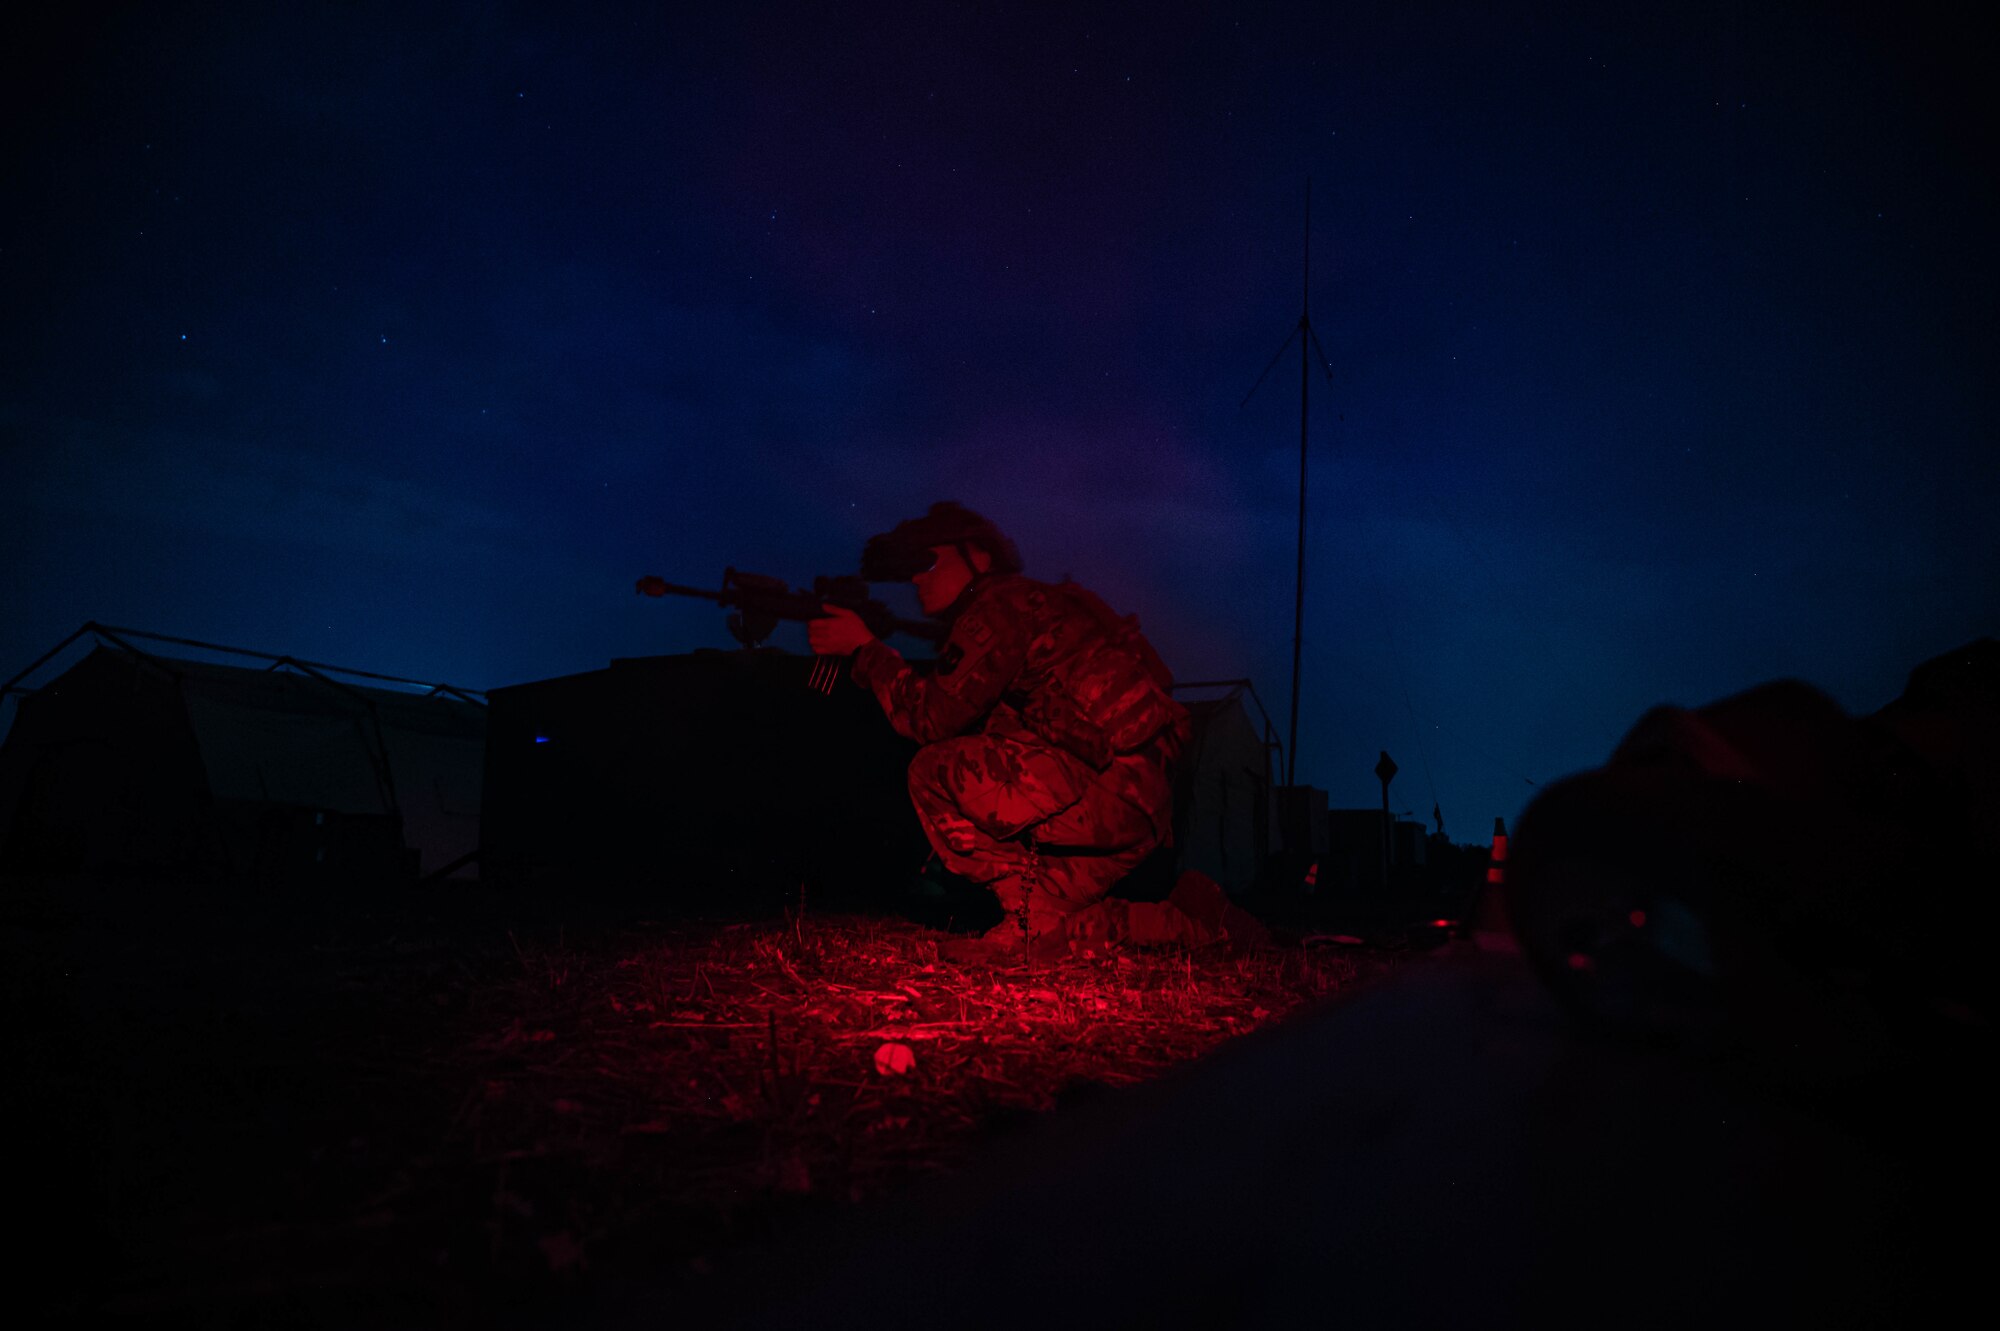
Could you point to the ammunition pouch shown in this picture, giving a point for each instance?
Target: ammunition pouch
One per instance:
(1110, 699)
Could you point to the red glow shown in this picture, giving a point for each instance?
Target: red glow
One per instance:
(1638, 918)
(1581, 961)
(1441, 924)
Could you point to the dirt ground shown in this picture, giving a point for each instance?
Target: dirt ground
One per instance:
(440, 1109)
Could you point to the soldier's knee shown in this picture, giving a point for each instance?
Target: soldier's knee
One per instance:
(930, 770)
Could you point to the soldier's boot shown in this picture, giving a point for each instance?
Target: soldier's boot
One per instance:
(1203, 901)
(1101, 926)
(1196, 914)
(1104, 925)
(1037, 926)
(1032, 926)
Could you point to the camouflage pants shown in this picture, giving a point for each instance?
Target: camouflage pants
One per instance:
(1038, 825)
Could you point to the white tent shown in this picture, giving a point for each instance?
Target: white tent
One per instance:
(1222, 799)
(134, 760)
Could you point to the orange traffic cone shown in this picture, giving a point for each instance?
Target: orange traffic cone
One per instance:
(1490, 928)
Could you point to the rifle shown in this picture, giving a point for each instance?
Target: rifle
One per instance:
(761, 601)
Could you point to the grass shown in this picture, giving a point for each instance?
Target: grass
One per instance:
(417, 1111)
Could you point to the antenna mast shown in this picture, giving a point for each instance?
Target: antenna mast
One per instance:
(1308, 343)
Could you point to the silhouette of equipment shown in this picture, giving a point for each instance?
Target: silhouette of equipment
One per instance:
(707, 778)
(1769, 875)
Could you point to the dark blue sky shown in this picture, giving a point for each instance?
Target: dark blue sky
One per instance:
(407, 336)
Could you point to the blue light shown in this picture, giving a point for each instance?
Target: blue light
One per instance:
(541, 739)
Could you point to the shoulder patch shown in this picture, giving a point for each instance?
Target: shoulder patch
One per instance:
(976, 631)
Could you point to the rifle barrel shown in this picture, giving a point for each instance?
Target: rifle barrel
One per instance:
(699, 593)
(801, 606)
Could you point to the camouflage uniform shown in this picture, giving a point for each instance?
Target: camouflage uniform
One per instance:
(1048, 733)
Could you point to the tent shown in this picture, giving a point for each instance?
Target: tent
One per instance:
(132, 760)
(713, 773)
(1222, 796)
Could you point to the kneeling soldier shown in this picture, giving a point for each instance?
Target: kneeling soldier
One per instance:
(1048, 727)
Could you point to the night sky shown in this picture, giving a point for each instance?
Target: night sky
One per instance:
(407, 336)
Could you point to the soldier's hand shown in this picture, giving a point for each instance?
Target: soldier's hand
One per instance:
(841, 633)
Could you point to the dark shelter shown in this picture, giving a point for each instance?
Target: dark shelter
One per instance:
(138, 762)
(715, 778)
(1222, 789)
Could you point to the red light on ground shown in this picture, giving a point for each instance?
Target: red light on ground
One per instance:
(1441, 924)
(1638, 918)
(1581, 961)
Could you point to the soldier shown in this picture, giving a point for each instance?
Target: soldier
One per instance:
(1049, 731)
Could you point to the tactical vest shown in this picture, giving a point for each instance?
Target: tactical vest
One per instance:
(1091, 683)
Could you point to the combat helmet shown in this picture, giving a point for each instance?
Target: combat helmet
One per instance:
(900, 554)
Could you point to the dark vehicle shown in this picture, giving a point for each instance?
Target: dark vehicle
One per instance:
(1767, 873)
